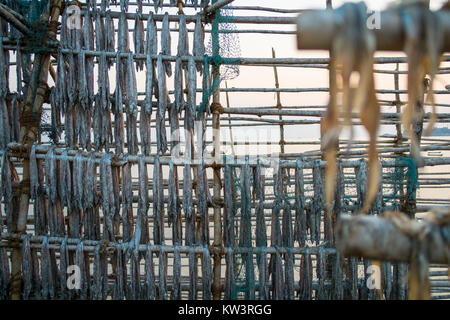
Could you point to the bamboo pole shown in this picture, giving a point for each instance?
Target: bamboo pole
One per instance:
(215, 108)
(30, 121)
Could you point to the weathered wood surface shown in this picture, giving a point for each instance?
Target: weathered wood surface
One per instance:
(378, 238)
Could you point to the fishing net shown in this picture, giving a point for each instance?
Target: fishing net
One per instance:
(229, 44)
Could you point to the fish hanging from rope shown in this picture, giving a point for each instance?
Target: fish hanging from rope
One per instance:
(166, 43)
(352, 60)
(424, 39)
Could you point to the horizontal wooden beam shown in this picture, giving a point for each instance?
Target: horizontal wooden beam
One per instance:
(317, 28)
(378, 238)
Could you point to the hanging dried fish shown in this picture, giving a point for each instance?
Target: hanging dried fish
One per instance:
(276, 270)
(166, 44)
(118, 110)
(110, 36)
(202, 205)
(4, 274)
(63, 264)
(90, 189)
(188, 206)
(141, 231)
(192, 90)
(48, 285)
(230, 285)
(264, 292)
(131, 109)
(27, 267)
(34, 178)
(337, 289)
(198, 50)
(162, 273)
(352, 278)
(151, 40)
(183, 39)
(158, 202)
(228, 217)
(162, 107)
(51, 183)
(173, 206)
(300, 205)
(80, 262)
(6, 181)
(150, 289)
(121, 273)
(60, 82)
(79, 171)
(305, 291)
(146, 109)
(317, 204)
(192, 274)
(135, 284)
(106, 185)
(289, 289)
(321, 270)
(176, 293)
(158, 4)
(97, 287)
(127, 201)
(353, 49)
(178, 86)
(40, 214)
(55, 115)
(138, 37)
(206, 274)
(65, 181)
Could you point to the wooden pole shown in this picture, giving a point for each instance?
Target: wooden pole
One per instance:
(215, 108)
(29, 133)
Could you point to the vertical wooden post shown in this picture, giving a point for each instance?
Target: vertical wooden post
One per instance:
(30, 121)
(217, 243)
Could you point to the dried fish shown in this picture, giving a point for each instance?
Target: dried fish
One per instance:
(51, 175)
(158, 4)
(27, 267)
(206, 274)
(192, 90)
(228, 219)
(141, 231)
(352, 277)
(131, 109)
(118, 110)
(48, 285)
(173, 206)
(121, 273)
(198, 50)
(317, 204)
(305, 290)
(178, 86)
(138, 37)
(146, 109)
(135, 284)
(79, 170)
(183, 39)
(289, 274)
(90, 189)
(166, 44)
(81, 263)
(63, 264)
(5, 277)
(188, 206)
(158, 202)
(230, 284)
(110, 36)
(276, 269)
(150, 289)
(162, 107)
(264, 292)
(202, 205)
(176, 293)
(337, 289)
(192, 275)
(127, 201)
(97, 286)
(300, 205)
(321, 270)
(107, 195)
(162, 273)
(34, 178)
(151, 40)
(55, 115)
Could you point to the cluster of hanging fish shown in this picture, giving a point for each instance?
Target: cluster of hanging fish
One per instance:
(352, 53)
(88, 121)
